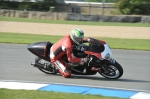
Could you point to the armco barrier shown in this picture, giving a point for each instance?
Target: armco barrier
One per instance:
(110, 92)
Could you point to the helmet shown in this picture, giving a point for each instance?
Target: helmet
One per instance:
(77, 36)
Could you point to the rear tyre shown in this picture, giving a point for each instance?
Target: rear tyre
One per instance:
(115, 71)
(49, 69)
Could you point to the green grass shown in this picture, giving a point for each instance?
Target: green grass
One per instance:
(132, 44)
(26, 38)
(32, 94)
(115, 43)
(73, 22)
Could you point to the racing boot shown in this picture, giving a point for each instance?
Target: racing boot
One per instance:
(66, 73)
(62, 68)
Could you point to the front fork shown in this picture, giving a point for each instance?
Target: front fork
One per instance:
(102, 63)
(105, 64)
(105, 68)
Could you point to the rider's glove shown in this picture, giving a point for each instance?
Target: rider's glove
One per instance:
(92, 42)
(88, 40)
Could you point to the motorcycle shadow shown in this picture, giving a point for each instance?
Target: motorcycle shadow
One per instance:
(105, 79)
(101, 78)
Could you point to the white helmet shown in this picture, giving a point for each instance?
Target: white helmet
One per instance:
(77, 36)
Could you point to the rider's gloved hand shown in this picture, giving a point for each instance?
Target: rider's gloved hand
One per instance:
(92, 42)
(88, 40)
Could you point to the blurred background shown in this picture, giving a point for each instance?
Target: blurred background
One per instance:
(86, 10)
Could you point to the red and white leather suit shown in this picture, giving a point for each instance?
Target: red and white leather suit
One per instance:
(60, 48)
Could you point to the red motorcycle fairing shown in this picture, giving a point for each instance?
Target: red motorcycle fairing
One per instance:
(40, 49)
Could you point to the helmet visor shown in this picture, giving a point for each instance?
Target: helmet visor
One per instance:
(78, 40)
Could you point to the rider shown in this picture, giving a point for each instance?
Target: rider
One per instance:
(65, 46)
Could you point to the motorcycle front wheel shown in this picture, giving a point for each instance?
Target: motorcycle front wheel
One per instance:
(113, 71)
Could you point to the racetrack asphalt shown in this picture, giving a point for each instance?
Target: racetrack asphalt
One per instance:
(15, 62)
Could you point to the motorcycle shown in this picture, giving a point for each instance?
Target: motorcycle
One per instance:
(98, 53)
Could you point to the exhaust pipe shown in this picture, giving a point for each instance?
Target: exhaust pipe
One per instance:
(41, 66)
(38, 65)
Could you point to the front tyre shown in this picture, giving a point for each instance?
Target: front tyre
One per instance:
(113, 71)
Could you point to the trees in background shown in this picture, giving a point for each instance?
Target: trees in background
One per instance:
(130, 7)
(8, 5)
(134, 7)
(27, 4)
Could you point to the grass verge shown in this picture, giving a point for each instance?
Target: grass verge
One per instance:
(115, 43)
(32, 94)
(2, 18)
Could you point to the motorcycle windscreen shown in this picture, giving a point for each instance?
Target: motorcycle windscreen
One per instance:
(107, 52)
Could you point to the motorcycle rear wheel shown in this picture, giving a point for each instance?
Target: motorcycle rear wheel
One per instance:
(115, 71)
(41, 61)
